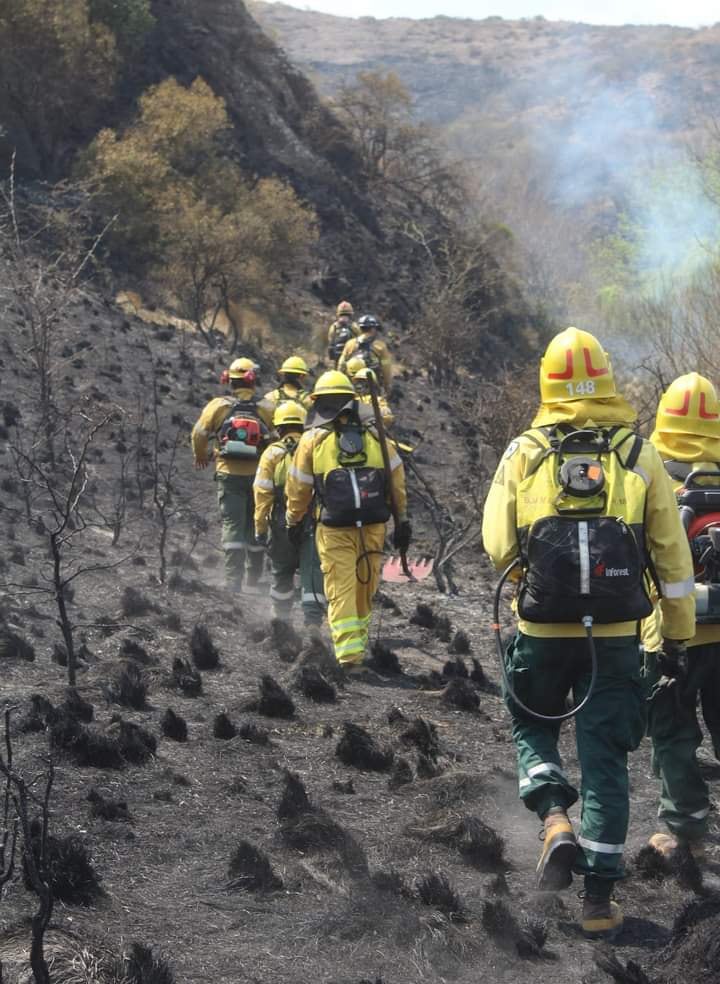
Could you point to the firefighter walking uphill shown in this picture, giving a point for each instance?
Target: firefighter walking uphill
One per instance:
(687, 436)
(584, 506)
(343, 328)
(339, 464)
(371, 349)
(240, 430)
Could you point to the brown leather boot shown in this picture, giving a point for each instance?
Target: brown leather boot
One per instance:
(554, 870)
(602, 919)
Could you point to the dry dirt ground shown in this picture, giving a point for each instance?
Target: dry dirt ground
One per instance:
(389, 874)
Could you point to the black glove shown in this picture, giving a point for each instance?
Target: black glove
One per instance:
(672, 661)
(261, 539)
(295, 535)
(402, 535)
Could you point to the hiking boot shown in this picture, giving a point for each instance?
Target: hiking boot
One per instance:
(554, 870)
(668, 845)
(602, 919)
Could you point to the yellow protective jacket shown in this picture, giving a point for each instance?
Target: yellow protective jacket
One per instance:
(283, 394)
(332, 331)
(317, 454)
(380, 351)
(210, 422)
(512, 500)
(652, 628)
(271, 475)
(388, 417)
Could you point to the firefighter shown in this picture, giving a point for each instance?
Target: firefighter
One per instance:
(572, 566)
(359, 374)
(339, 460)
(293, 380)
(371, 349)
(236, 453)
(687, 436)
(270, 530)
(343, 328)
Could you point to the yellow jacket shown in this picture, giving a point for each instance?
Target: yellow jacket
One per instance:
(380, 351)
(210, 422)
(266, 481)
(332, 330)
(388, 417)
(665, 538)
(652, 628)
(285, 392)
(305, 470)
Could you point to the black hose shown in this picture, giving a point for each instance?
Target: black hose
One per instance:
(587, 622)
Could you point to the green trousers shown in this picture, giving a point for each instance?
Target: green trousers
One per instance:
(286, 560)
(543, 672)
(237, 508)
(676, 735)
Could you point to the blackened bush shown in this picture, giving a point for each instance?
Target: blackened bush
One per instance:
(455, 668)
(85, 746)
(77, 706)
(173, 726)
(294, 799)
(443, 628)
(223, 728)
(130, 649)
(428, 767)
(186, 678)
(527, 938)
(424, 735)
(479, 843)
(254, 734)
(108, 809)
(141, 966)
(313, 685)
(424, 617)
(358, 748)
(129, 687)
(402, 774)
(13, 646)
(286, 641)
(384, 660)
(135, 603)
(204, 653)
(478, 675)
(391, 881)
(436, 890)
(651, 865)
(460, 644)
(347, 787)
(459, 693)
(274, 701)
(250, 869)
(137, 746)
(68, 867)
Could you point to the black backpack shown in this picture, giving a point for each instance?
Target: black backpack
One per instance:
(343, 334)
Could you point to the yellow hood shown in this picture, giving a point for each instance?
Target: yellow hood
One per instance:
(598, 413)
(687, 426)
(686, 447)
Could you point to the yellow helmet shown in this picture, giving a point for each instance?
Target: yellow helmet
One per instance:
(575, 367)
(354, 365)
(295, 365)
(365, 373)
(331, 383)
(240, 369)
(689, 406)
(289, 412)
(344, 307)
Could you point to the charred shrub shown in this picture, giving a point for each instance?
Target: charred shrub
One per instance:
(85, 746)
(173, 726)
(358, 748)
(186, 678)
(459, 693)
(307, 827)
(107, 809)
(274, 701)
(130, 649)
(77, 706)
(13, 646)
(436, 890)
(348, 787)
(443, 628)
(475, 840)
(428, 767)
(137, 746)
(250, 869)
(460, 644)
(129, 687)
(136, 604)
(384, 660)
(402, 774)
(651, 865)
(223, 728)
(285, 640)
(455, 668)
(422, 734)
(141, 966)
(204, 653)
(294, 800)
(254, 734)
(527, 938)
(424, 616)
(68, 868)
(313, 685)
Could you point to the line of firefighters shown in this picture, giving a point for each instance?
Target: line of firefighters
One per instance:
(615, 584)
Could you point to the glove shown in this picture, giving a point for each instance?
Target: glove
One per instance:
(295, 535)
(672, 660)
(261, 539)
(402, 535)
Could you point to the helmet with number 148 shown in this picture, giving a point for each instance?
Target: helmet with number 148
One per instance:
(575, 366)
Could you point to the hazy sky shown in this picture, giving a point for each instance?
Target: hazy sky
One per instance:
(690, 13)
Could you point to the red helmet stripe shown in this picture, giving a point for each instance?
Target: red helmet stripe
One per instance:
(704, 415)
(592, 372)
(683, 410)
(568, 371)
